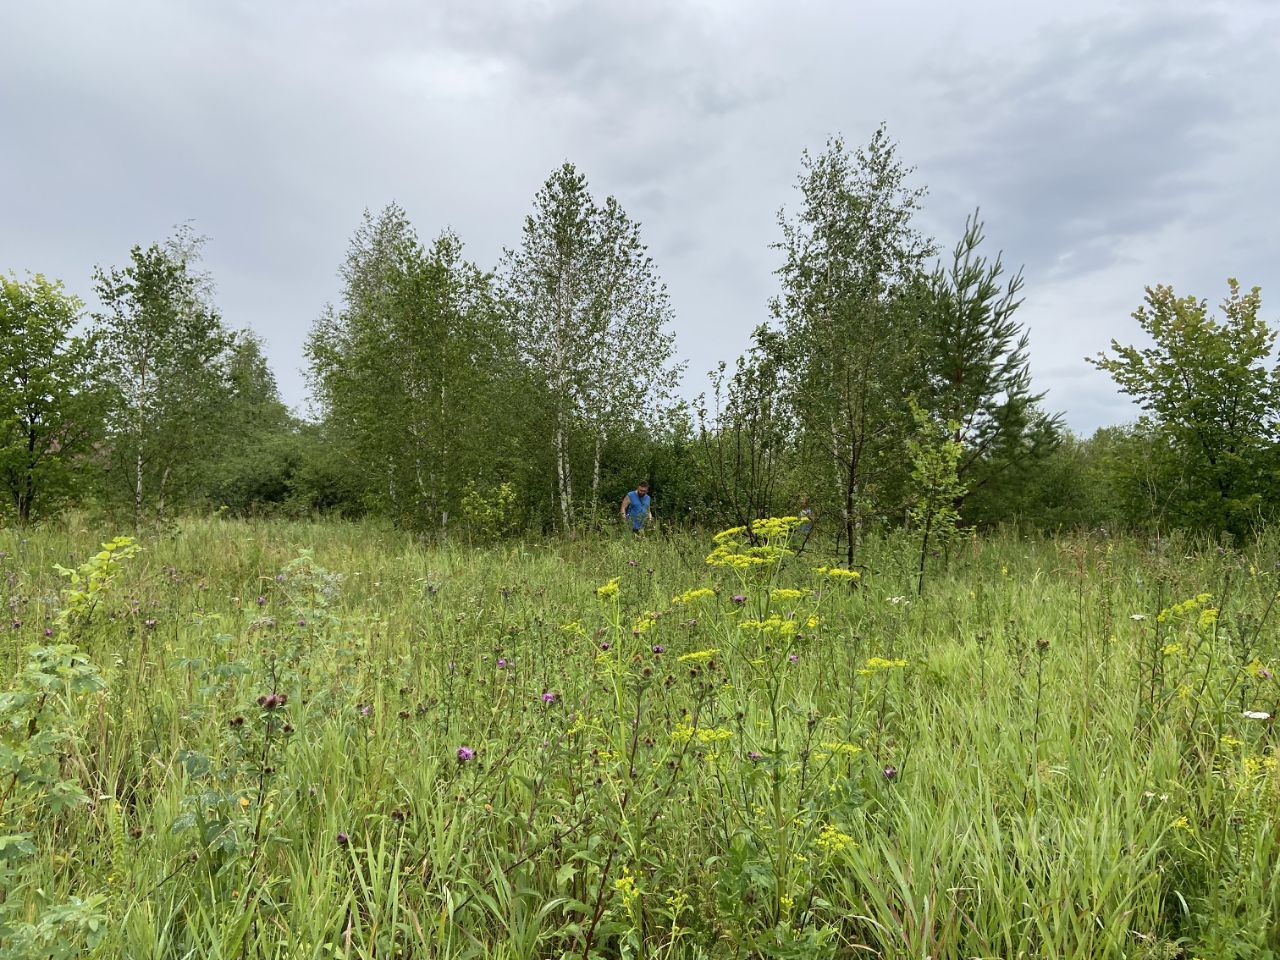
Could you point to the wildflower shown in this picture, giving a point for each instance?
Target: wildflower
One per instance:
(739, 598)
(262, 601)
(877, 664)
(831, 840)
(754, 756)
(837, 573)
(626, 885)
(1258, 670)
(502, 663)
(364, 709)
(48, 631)
(644, 624)
(793, 658)
(781, 594)
(1182, 823)
(699, 656)
(1256, 715)
(689, 596)
(1230, 741)
(659, 648)
(465, 754)
(811, 622)
(1137, 617)
(604, 644)
(150, 624)
(890, 773)
(837, 748)
(549, 696)
(609, 590)
(1171, 649)
(343, 839)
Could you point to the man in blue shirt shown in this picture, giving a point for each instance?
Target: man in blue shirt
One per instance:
(635, 507)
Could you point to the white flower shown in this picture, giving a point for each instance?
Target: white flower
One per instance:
(897, 600)
(1256, 715)
(1139, 617)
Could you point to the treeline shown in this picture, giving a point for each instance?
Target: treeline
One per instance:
(890, 387)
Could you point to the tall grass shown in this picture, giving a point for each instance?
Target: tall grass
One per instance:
(1052, 753)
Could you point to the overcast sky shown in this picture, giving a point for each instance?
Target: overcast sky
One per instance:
(1109, 145)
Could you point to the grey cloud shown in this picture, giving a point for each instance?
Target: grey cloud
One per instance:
(1107, 150)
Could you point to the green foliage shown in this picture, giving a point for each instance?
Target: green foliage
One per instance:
(974, 364)
(51, 403)
(590, 317)
(416, 375)
(166, 353)
(848, 340)
(1210, 391)
(936, 452)
(492, 514)
(38, 733)
(705, 759)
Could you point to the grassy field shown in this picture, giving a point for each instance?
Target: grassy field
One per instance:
(294, 740)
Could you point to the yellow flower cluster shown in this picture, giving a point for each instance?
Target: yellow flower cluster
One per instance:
(698, 656)
(1256, 765)
(837, 573)
(781, 594)
(844, 749)
(1171, 649)
(831, 840)
(877, 664)
(1197, 605)
(609, 590)
(689, 596)
(1230, 742)
(626, 885)
(705, 736)
(573, 627)
(645, 623)
(774, 624)
(745, 558)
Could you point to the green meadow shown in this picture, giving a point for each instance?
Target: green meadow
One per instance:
(280, 740)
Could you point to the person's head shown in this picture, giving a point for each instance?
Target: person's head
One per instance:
(642, 487)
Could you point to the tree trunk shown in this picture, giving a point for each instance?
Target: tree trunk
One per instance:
(595, 483)
(564, 485)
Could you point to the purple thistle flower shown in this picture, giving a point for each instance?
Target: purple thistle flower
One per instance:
(364, 709)
(549, 696)
(262, 601)
(17, 624)
(302, 621)
(754, 756)
(502, 663)
(343, 839)
(465, 754)
(48, 631)
(659, 648)
(891, 773)
(604, 645)
(793, 658)
(739, 598)
(279, 578)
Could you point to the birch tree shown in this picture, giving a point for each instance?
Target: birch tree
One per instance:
(590, 315)
(413, 372)
(851, 255)
(165, 349)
